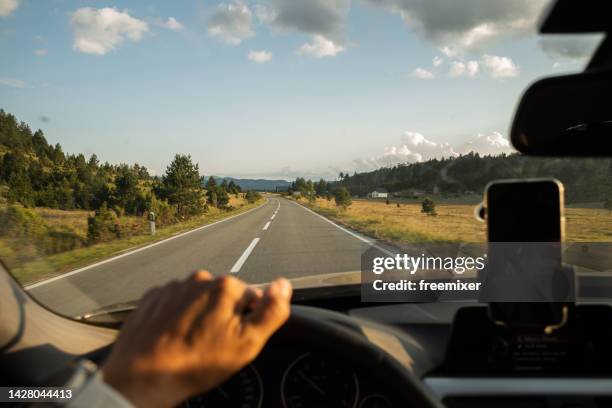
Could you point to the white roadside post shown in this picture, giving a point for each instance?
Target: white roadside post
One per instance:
(152, 222)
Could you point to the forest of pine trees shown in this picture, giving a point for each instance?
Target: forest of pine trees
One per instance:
(37, 174)
(585, 180)
(34, 173)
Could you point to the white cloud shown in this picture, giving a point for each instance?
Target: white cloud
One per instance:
(491, 144)
(324, 20)
(500, 67)
(415, 147)
(493, 65)
(449, 52)
(98, 31)
(472, 68)
(260, 56)
(231, 22)
(41, 52)
(320, 47)
(13, 83)
(422, 73)
(457, 69)
(7, 7)
(467, 24)
(173, 24)
(478, 35)
(460, 68)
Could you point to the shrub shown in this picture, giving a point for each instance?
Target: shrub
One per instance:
(222, 198)
(343, 197)
(165, 213)
(428, 207)
(212, 197)
(103, 226)
(20, 223)
(252, 196)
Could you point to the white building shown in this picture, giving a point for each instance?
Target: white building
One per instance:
(379, 193)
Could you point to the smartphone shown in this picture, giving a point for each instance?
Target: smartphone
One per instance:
(525, 210)
(525, 228)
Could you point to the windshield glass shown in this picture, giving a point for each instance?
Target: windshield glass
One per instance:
(142, 141)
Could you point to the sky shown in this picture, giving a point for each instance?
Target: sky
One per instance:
(276, 88)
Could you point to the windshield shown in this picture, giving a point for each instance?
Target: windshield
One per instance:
(142, 141)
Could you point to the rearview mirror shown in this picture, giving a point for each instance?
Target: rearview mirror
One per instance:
(566, 116)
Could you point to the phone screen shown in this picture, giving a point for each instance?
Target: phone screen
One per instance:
(526, 211)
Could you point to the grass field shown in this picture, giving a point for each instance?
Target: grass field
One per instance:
(454, 222)
(32, 267)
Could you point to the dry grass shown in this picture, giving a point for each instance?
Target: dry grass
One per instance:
(454, 222)
(76, 220)
(588, 225)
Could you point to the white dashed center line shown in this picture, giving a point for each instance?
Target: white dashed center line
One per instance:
(244, 256)
(247, 252)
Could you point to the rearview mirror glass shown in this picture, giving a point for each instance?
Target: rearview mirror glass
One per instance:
(566, 116)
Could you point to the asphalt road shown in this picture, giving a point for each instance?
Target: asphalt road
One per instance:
(280, 238)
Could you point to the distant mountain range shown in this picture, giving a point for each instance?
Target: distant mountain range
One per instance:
(255, 184)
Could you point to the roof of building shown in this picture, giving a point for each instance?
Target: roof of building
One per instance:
(380, 190)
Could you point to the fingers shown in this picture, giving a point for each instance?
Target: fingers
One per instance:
(249, 300)
(201, 276)
(194, 296)
(218, 301)
(201, 297)
(271, 311)
(228, 292)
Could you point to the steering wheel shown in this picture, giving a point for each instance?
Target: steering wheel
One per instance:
(313, 327)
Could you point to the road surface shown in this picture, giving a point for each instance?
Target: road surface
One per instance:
(280, 238)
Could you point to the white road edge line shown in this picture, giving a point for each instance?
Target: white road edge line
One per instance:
(272, 217)
(266, 226)
(244, 256)
(351, 233)
(44, 282)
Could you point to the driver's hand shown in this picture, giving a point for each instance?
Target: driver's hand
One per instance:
(189, 336)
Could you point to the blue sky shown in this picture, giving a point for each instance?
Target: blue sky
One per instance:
(275, 88)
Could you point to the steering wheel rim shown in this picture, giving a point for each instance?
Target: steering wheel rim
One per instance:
(336, 338)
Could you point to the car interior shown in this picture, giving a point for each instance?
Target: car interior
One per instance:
(398, 354)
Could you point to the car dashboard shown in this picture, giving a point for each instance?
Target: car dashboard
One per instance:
(449, 346)
(296, 377)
